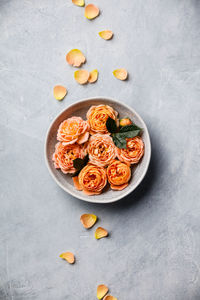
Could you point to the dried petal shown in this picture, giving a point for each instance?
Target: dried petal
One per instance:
(93, 76)
(75, 58)
(101, 291)
(109, 297)
(91, 11)
(88, 220)
(81, 76)
(106, 34)
(100, 233)
(121, 74)
(79, 2)
(68, 256)
(59, 92)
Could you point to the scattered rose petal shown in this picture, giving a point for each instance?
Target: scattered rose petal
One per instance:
(88, 220)
(106, 34)
(109, 297)
(91, 11)
(121, 74)
(93, 76)
(100, 233)
(59, 92)
(101, 291)
(79, 2)
(68, 256)
(75, 58)
(81, 76)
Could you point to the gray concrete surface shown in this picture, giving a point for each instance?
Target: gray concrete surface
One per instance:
(153, 252)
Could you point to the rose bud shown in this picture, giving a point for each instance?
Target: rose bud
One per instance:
(124, 122)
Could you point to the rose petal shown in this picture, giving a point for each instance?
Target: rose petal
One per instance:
(88, 193)
(101, 291)
(119, 187)
(75, 58)
(83, 138)
(100, 233)
(91, 11)
(109, 297)
(59, 92)
(121, 74)
(68, 256)
(79, 2)
(88, 220)
(81, 76)
(93, 76)
(76, 183)
(106, 34)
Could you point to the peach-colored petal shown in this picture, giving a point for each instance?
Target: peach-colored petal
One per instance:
(59, 92)
(90, 193)
(93, 76)
(102, 290)
(100, 233)
(88, 220)
(121, 74)
(119, 187)
(91, 11)
(68, 256)
(83, 138)
(79, 2)
(106, 34)
(75, 58)
(76, 183)
(81, 76)
(109, 297)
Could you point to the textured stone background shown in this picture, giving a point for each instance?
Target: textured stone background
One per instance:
(153, 250)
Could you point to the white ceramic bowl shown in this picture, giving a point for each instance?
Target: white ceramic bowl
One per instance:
(79, 109)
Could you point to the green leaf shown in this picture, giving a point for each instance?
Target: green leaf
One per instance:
(79, 164)
(128, 134)
(86, 159)
(119, 142)
(131, 127)
(119, 138)
(111, 125)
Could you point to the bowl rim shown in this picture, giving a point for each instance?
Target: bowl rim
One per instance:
(82, 197)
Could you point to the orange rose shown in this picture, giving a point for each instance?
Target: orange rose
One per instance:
(65, 154)
(118, 174)
(92, 179)
(97, 117)
(73, 130)
(133, 152)
(101, 149)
